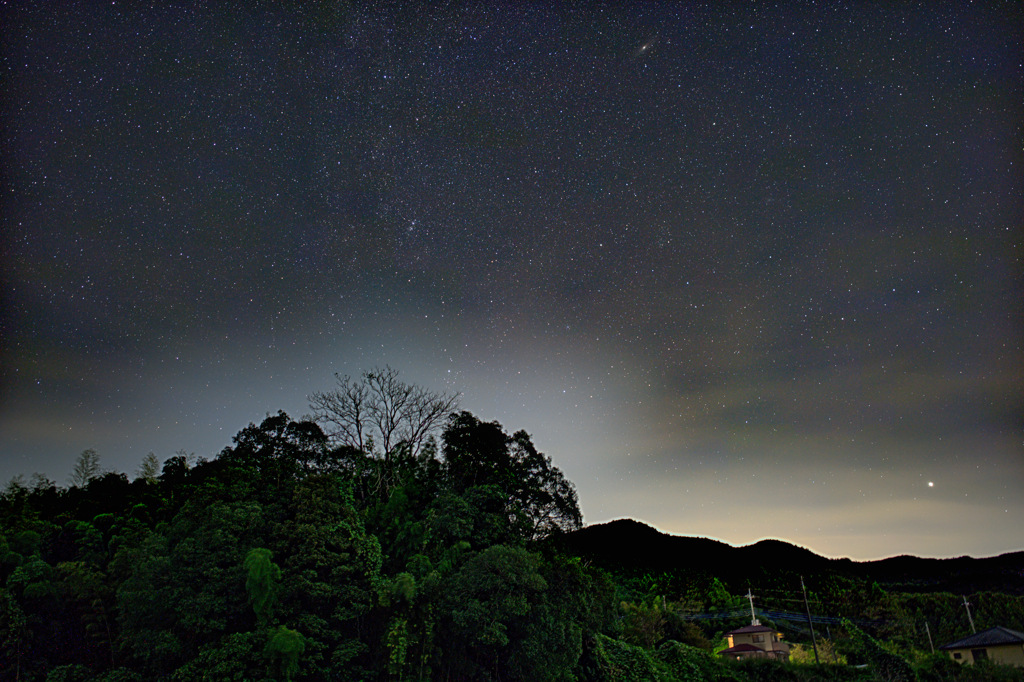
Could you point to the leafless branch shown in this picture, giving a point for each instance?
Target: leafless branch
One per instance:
(381, 411)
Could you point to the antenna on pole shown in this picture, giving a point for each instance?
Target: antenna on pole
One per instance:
(753, 618)
(967, 605)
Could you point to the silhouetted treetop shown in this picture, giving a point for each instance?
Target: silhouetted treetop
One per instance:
(379, 412)
(480, 453)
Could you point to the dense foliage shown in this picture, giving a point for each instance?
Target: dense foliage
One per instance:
(286, 557)
(295, 556)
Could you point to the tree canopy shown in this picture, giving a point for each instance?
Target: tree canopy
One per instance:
(300, 554)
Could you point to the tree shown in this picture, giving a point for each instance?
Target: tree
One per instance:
(279, 450)
(487, 598)
(380, 410)
(547, 497)
(284, 649)
(185, 584)
(476, 453)
(539, 499)
(262, 582)
(149, 470)
(14, 635)
(804, 655)
(331, 577)
(888, 667)
(87, 467)
(643, 624)
(83, 585)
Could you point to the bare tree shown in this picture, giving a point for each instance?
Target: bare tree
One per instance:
(149, 470)
(87, 467)
(39, 483)
(343, 412)
(381, 411)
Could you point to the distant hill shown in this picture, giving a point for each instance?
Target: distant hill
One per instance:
(632, 546)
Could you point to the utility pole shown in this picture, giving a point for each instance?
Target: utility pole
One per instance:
(967, 606)
(814, 640)
(928, 630)
(753, 618)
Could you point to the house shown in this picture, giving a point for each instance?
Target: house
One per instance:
(998, 644)
(755, 640)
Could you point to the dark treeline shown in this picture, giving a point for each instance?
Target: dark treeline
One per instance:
(308, 551)
(922, 598)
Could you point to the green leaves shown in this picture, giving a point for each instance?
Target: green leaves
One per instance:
(504, 618)
(279, 560)
(618, 660)
(493, 587)
(537, 498)
(234, 657)
(283, 649)
(888, 666)
(262, 582)
(32, 579)
(643, 624)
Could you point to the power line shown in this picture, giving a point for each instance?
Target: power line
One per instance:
(774, 614)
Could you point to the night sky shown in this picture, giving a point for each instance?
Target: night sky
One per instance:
(742, 271)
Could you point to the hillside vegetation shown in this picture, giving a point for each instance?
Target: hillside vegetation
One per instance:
(298, 555)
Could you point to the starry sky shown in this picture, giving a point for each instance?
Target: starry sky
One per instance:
(742, 270)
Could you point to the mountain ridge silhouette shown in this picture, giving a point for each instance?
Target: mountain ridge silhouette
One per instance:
(634, 546)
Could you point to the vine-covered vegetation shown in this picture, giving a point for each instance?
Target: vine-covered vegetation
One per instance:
(296, 555)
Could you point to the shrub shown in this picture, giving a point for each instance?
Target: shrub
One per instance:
(690, 664)
(619, 661)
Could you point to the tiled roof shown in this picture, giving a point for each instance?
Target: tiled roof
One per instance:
(991, 637)
(740, 648)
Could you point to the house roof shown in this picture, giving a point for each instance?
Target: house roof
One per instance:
(741, 648)
(991, 637)
(750, 629)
